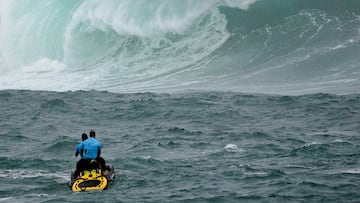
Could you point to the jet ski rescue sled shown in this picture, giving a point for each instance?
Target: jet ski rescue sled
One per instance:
(92, 179)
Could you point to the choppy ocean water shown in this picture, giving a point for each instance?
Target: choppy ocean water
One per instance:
(184, 147)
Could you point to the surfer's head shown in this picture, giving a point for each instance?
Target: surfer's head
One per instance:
(92, 133)
(84, 136)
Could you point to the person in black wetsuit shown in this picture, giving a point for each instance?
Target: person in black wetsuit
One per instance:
(78, 151)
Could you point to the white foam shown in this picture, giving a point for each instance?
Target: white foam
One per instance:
(312, 143)
(5, 199)
(338, 141)
(147, 157)
(37, 195)
(242, 4)
(139, 18)
(20, 174)
(4, 8)
(233, 148)
(27, 173)
(352, 171)
(45, 74)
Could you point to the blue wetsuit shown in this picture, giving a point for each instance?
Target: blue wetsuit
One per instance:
(89, 149)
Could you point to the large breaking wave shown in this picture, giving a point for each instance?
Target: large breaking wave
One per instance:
(274, 46)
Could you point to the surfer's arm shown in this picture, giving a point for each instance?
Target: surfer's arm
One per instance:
(78, 150)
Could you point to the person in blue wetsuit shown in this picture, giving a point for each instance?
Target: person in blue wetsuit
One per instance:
(90, 151)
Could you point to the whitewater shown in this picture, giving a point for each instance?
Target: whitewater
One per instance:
(164, 46)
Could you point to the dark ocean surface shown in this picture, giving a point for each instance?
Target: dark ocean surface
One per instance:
(183, 147)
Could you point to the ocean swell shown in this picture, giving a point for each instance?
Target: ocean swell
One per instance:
(130, 46)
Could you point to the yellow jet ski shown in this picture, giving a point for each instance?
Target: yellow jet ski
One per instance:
(93, 179)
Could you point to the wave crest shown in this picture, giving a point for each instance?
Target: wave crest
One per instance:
(130, 46)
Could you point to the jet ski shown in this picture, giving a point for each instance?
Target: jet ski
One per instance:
(92, 179)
